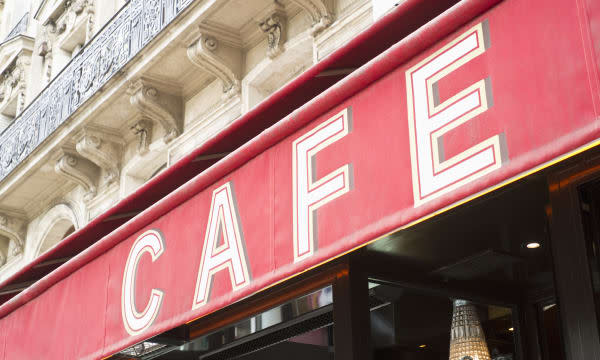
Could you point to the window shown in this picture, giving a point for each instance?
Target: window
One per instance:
(298, 329)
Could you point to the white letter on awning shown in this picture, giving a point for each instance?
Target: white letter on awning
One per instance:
(223, 246)
(135, 322)
(433, 173)
(310, 194)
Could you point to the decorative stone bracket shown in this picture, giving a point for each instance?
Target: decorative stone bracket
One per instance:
(146, 99)
(79, 171)
(14, 229)
(273, 26)
(203, 54)
(96, 147)
(319, 13)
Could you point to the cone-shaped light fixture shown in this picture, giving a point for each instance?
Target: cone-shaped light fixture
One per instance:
(467, 340)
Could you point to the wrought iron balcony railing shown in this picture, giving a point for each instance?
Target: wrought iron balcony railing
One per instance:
(19, 29)
(136, 24)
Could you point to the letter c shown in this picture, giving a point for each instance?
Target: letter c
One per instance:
(136, 322)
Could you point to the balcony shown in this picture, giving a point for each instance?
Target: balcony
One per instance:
(19, 29)
(138, 22)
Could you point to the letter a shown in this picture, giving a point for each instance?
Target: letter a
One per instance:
(223, 247)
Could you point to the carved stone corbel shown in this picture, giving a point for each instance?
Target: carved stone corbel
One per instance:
(95, 147)
(15, 230)
(202, 53)
(273, 26)
(319, 13)
(78, 171)
(143, 130)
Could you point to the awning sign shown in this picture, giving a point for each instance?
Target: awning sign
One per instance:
(497, 98)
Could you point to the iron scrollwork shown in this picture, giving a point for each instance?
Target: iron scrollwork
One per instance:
(136, 25)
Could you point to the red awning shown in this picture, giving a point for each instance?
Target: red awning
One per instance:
(381, 167)
(399, 23)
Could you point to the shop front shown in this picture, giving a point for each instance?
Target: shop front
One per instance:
(440, 202)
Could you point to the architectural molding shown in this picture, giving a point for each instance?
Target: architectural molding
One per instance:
(274, 27)
(14, 229)
(319, 13)
(202, 53)
(145, 98)
(53, 224)
(95, 146)
(74, 169)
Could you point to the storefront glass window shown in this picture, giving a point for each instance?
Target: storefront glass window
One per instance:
(413, 325)
(590, 216)
(493, 254)
(301, 328)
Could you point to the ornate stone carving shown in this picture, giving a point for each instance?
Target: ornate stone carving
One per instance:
(44, 48)
(121, 39)
(319, 13)
(13, 86)
(143, 130)
(73, 10)
(14, 229)
(273, 27)
(202, 54)
(95, 147)
(75, 170)
(145, 98)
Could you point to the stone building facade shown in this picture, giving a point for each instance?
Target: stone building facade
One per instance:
(98, 96)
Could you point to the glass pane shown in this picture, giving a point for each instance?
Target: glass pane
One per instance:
(551, 338)
(590, 215)
(412, 325)
(495, 249)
